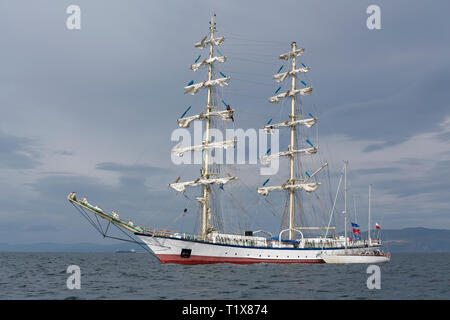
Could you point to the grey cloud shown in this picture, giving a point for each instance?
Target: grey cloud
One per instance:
(377, 170)
(445, 136)
(134, 169)
(435, 182)
(131, 195)
(419, 108)
(18, 152)
(65, 153)
(375, 147)
(119, 81)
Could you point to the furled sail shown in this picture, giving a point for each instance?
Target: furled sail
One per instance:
(308, 187)
(268, 158)
(193, 89)
(181, 186)
(217, 41)
(315, 172)
(279, 77)
(197, 65)
(306, 122)
(304, 92)
(292, 54)
(225, 115)
(179, 151)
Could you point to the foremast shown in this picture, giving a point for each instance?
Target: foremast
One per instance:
(206, 179)
(205, 171)
(292, 184)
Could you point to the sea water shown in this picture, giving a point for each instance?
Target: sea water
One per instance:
(141, 276)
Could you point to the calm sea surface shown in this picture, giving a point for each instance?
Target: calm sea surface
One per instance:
(141, 276)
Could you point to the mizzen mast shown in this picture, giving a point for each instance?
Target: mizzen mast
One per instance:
(368, 223)
(205, 180)
(345, 203)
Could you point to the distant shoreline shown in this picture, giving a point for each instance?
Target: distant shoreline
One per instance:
(420, 240)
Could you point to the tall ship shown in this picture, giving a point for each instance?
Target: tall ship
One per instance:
(211, 244)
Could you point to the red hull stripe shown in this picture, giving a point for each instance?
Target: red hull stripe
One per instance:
(175, 258)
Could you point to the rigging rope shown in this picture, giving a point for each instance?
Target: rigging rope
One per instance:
(99, 228)
(272, 42)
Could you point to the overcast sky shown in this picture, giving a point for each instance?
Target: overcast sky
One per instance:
(92, 110)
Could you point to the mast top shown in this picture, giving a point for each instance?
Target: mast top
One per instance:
(212, 23)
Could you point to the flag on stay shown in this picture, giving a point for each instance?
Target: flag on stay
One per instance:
(228, 108)
(355, 229)
(226, 105)
(377, 226)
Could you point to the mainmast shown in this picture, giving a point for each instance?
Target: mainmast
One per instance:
(292, 147)
(292, 184)
(205, 180)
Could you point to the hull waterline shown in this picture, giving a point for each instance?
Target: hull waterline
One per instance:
(358, 258)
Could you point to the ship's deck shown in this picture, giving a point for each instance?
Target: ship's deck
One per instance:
(262, 242)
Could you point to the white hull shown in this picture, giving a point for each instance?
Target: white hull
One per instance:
(355, 258)
(170, 250)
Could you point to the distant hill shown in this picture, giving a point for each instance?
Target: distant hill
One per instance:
(415, 240)
(402, 240)
(72, 247)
